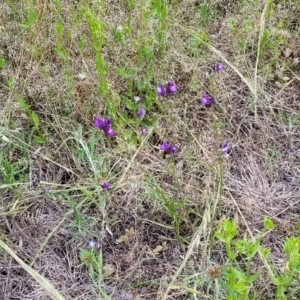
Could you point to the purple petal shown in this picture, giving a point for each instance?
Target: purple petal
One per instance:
(97, 122)
(105, 185)
(219, 67)
(110, 132)
(171, 88)
(207, 100)
(172, 149)
(141, 112)
(163, 146)
(161, 90)
(143, 131)
(167, 148)
(106, 122)
(224, 148)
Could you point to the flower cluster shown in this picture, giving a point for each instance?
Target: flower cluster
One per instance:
(162, 90)
(105, 125)
(168, 148)
(169, 89)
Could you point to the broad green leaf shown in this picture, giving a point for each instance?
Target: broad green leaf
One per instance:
(22, 103)
(35, 119)
(39, 139)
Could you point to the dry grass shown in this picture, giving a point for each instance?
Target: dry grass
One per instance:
(174, 203)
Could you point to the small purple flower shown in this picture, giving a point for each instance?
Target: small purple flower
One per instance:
(141, 112)
(143, 131)
(224, 148)
(167, 148)
(163, 146)
(219, 67)
(207, 100)
(161, 90)
(105, 185)
(105, 125)
(171, 88)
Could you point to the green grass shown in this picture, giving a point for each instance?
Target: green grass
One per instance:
(196, 224)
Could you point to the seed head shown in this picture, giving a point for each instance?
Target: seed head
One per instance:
(214, 272)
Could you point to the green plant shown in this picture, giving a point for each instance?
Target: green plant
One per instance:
(31, 18)
(238, 282)
(34, 119)
(92, 259)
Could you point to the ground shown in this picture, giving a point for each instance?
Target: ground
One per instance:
(85, 214)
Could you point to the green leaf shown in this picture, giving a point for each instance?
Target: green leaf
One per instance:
(126, 73)
(22, 103)
(295, 119)
(39, 139)
(252, 278)
(228, 288)
(24, 26)
(117, 35)
(268, 223)
(32, 17)
(35, 119)
(2, 62)
(129, 103)
(265, 251)
(239, 275)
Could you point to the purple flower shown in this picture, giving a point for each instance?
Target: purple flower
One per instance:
(105, 125)
(171, 88)
(224, 148)
(161, 90)
(219, 67)
(143, 131)
(207, 100)
(167, 148)
(110, 132)
(105, 185)
(141, 112)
